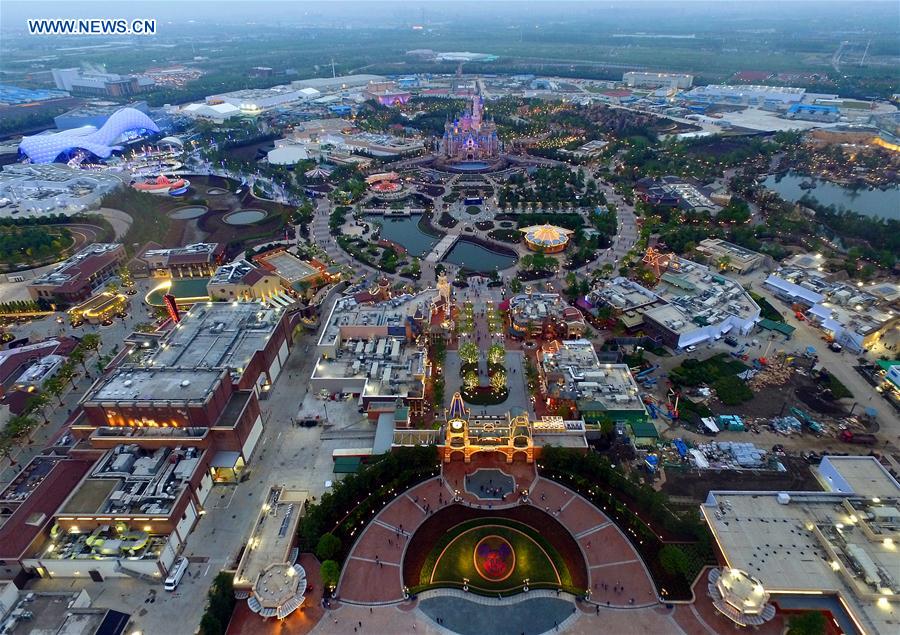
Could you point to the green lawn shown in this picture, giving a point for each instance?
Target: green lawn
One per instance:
(453, 558)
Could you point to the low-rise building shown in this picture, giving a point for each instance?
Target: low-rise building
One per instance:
(572, 374)
(42, 189)
(76, 278)
(627, 300)
(240, 280)
(298, 276)
(100, 308)
(673, 191)
(729, 256)
(657, 80)
(701, 305)
(371, 350)
(543, 314)
(194, 260)
(15, 363)
(833, 550)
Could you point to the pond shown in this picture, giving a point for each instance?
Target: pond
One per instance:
(874, 202)
(474, 257)
(406, 233)
(187, 213)
(471, 166)
(244, 217)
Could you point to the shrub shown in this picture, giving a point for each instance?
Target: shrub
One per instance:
(732, 391)
(674, 560)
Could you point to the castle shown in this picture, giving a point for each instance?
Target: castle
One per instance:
(470, 138)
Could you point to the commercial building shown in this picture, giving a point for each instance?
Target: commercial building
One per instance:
(812, 112)
(627, 300)
(254, 100)
(267, 576)
(543, 314)
(240, 280)
(832, 550)
(733, 257)
(657, 80)
(79, 82)
(370, 350)
(296, 275)
(27, 367)
(15, 96)
(75, 279)
(56, 612)
(700, 305)
(194, 260)
(129, 515)
(35, 190)
(217, 113)
(747, 95)
(571, 373)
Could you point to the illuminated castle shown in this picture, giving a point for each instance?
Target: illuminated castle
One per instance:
(470, 138)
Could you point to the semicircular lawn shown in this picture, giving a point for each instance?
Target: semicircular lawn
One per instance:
(464, 553)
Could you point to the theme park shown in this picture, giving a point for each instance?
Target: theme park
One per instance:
(420, 321)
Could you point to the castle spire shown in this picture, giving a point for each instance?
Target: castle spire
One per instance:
(457, 408)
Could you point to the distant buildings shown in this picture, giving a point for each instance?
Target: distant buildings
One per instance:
(79, 276)
(747, 95)
(853, 317)
(38, 190)
(80, 82)
(386, 93)
(657, 80)
(673, 191)
(15, 96)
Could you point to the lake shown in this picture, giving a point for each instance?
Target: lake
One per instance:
(406, 232)
(474, 257)
(876, 203)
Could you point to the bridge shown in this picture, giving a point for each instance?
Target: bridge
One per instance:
(440, 250)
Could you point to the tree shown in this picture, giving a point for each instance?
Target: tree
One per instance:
(331, 573)
(54, 387)
(468, 352)
(470, 380)
(808, 623)
(91, 342)
(674, 560)
(77, 356)
(724, 261)
(219, 605)
(496, 354)
(38, 403)
(498, 381)
(328, 546)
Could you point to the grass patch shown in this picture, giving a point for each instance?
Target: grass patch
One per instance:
(473, 210)
(732, 391)
(766, 309)
(694, 372)
(838, 390)
(453, 558)
(149, 214)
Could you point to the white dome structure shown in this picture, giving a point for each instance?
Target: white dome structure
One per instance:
(46, 148)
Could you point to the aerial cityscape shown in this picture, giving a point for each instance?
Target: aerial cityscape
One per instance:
(413, 317)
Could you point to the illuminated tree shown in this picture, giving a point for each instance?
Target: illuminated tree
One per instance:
(498, 381)
(468, 352)
(496, 354)
(470, 380)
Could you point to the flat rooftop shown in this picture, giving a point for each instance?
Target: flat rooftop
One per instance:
(273, 534)
(128, 480)
(572, 371)
(819, 542)
(178, 385)
(376, 366)
(348, 313)
(29, 478)
(623, 294)
(218, 335)
(697, 296)
(287, 266)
